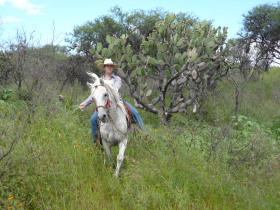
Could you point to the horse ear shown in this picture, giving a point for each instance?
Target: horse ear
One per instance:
(101, 81)
(89, 84)
(93, 76)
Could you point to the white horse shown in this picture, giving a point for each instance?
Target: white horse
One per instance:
(112, 118)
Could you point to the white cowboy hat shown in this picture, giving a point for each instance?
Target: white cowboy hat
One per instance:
(107, 62)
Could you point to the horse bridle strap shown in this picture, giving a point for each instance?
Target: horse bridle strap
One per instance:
(107, 105)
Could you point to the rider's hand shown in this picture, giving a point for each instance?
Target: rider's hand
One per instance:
(82, 106)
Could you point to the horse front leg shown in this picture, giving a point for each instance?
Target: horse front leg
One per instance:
(120, 158)
(108, 151)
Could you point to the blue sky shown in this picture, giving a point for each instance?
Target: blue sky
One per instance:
(39, 15)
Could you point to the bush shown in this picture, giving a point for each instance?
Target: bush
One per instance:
(5, 94)
(274, 125)
(246, 144)
(187, 165)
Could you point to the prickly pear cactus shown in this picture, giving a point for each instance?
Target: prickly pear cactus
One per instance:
(176, 56)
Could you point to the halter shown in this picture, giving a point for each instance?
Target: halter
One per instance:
(108, 104)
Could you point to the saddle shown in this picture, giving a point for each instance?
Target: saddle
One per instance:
(129, 114)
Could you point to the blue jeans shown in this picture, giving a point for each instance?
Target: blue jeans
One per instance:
(136, 118)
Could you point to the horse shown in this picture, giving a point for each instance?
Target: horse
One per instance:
(112, 118)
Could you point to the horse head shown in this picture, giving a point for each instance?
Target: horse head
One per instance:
(101, 96)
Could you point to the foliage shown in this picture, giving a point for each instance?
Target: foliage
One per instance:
(259, 100)
(256, 49)
(248, 144)
(246, 63)
(4, 72)
(176, 56)
(32, 66)
(5, 94)
(161, 172)
(274, 124)
(261, 26)
(93, 32)
(47, 158)
(138, 24)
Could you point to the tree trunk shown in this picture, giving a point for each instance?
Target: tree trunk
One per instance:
(63, 84)
(19, 84)
(164, 118)
(237, 102)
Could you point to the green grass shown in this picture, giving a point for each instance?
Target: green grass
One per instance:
(187, 165)
(258, 101)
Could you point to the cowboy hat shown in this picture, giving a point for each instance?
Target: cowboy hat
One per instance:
(107, 62)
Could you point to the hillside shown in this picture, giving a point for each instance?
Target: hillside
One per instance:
(195, 163)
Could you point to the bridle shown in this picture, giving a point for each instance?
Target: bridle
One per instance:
(108, 104)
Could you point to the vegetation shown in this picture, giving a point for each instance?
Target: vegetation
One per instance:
(225, 156)
(261, 26)
(177, 56)
(189, 165)
(137, 24)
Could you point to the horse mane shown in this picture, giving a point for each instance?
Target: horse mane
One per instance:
(115, 94)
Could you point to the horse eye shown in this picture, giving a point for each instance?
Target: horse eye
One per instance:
(105, 94)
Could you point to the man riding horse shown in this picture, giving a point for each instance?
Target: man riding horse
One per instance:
(108, 66)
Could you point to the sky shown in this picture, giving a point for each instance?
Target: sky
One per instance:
(42, 16)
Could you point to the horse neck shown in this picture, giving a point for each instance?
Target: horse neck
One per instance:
(118, 118)
(115, 111)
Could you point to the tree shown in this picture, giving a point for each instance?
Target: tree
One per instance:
(244, 67)
(92, 32)
(256, 49)
(178, 58)
(137, 24)
(4, 71)
(261, 27)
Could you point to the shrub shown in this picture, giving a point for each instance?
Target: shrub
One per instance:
(5, 94)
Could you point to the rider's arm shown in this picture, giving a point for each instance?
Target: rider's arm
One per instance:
(118, 83)
(88, 101)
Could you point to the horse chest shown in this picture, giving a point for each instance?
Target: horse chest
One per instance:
(110, 134)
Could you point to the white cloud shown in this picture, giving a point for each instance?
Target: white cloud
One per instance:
(26, 5)
(10, 19)
(2, 2)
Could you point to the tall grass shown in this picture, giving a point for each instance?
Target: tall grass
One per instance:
(260, 99)
(187, 165)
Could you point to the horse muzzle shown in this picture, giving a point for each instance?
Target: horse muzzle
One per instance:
(103, 118)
